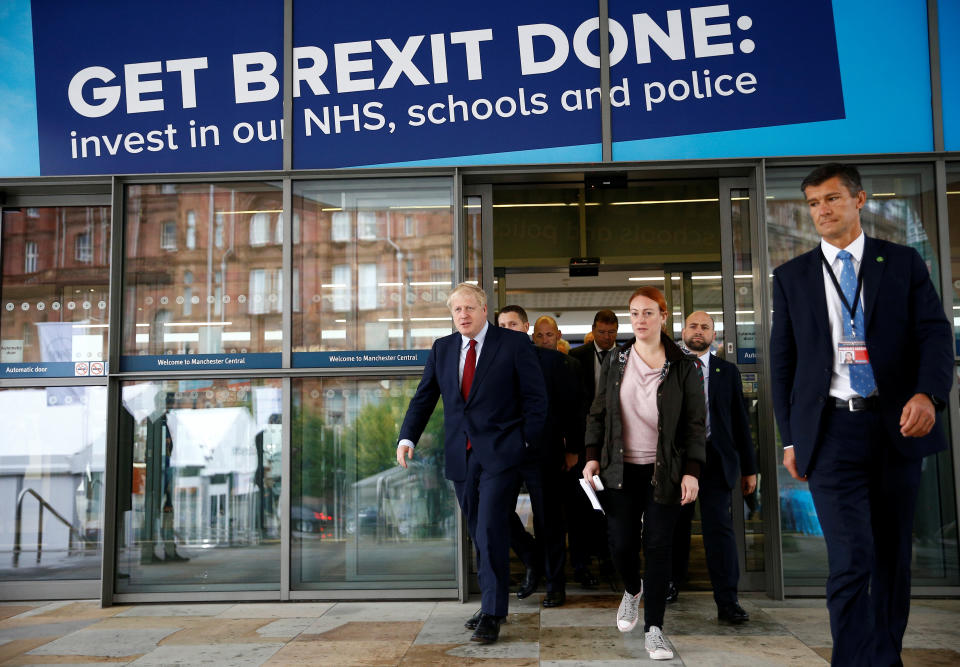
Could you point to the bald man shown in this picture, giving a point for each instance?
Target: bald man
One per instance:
(731, 461)
(546, 333)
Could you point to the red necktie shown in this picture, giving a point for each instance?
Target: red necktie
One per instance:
(469, 368)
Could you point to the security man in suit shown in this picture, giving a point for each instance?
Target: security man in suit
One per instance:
(858, 431)
(562, 444)
(494, 408)
(731, 461)
(587, 531)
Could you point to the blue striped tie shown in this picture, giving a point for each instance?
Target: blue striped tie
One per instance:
(861, 375)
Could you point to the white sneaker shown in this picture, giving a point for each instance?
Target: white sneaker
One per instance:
(656, 645)
(629, 612)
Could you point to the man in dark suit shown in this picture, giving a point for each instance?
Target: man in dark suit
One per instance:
(494, 408)
(543, 475)
(587, 529)
(731, 461)
(858, 431)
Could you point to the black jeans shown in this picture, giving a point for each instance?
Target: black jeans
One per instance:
(625, 508)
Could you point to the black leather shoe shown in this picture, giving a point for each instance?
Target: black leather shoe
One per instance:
(471, 623)
(672, 593)
(530, 583)
(733, 614)
(555, 599)
(488, 629)
(583, 577)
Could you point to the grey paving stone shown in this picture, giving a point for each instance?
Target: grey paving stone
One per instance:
(177, 610)
(106, 643)
(214, 655)
(44, 629)
(285, 627)
(500, 650)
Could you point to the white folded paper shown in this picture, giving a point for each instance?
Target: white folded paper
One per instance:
(591, 494)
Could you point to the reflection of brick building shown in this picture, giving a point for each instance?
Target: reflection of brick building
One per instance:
(204, 264)
(55, 271)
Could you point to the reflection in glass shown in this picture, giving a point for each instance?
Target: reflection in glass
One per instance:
(953, 212)
(55, 287)
(199, 485)
(900, 207)
(203, 269)
(51, 469)
(357, 519)
(374, 264)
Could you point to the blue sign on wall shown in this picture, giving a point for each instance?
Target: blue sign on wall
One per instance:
(197, 86)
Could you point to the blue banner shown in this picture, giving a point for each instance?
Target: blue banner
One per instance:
(355, 358)
(134, 87)
(199, 362)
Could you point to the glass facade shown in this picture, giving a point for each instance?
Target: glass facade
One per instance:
(357, 519)
(203, 272)
(373, 264)
(199, 485)
(55, 288)
(52, 482)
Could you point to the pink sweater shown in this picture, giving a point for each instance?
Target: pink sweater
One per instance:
(638, 408)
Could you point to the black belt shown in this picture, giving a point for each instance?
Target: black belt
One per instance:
(857, 403)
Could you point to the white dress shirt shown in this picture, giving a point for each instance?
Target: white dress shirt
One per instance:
(840, 381)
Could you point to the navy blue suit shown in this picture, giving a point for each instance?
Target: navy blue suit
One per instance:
(544, 475)
(863, 474)
(730, 456)
(503, 417)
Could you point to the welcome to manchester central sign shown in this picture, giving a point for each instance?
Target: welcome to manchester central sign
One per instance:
(197, 86)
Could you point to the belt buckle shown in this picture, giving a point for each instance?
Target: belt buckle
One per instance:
(852, 406)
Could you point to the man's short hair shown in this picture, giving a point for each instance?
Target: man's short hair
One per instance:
(847, 173)
(607, 317)
(547, 318)
(515, 309)
(468, 288)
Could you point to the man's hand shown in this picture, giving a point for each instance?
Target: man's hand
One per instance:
(790, 463)
(570, 460)
(918, 417)
(404, 452)
(589, 470)
(748, 483)
(689, 487)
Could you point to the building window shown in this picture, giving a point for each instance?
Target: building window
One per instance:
(187, 293)
(367, 286)
(266, 286)
(367, 225)
(409, 229)
(191, 230)
(33, 213)
(30, 255)
(218, 230)
(168, 238)
(340, 287)
(340, 226)
(259, 229)
(83, 247)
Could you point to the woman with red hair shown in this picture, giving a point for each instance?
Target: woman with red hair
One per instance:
(646, 440)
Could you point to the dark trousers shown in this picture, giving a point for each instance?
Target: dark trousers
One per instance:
(865, 494)
(625, 508)
(719, 540)
(547, 551)
(487, 501)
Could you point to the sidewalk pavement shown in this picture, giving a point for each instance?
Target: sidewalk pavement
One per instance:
(581, 633)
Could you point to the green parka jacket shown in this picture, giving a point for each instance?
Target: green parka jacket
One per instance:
(681, 446)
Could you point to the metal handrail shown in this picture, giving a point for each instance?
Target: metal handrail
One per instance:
(43, 505)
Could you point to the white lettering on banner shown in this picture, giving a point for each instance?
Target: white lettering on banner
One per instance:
(109, 96)
(254, 85)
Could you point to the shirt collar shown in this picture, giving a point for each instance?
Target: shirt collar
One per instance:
(464, 341)
(855, 249)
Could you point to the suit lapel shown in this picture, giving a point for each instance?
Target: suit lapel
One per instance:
(818, 295)
(871, 268)
(453, 367)
(489, 351)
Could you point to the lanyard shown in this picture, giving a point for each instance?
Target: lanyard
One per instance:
(843, 298)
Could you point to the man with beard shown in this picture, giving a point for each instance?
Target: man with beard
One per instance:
(730, 460)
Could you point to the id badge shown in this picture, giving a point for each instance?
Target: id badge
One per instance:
(852, 352)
